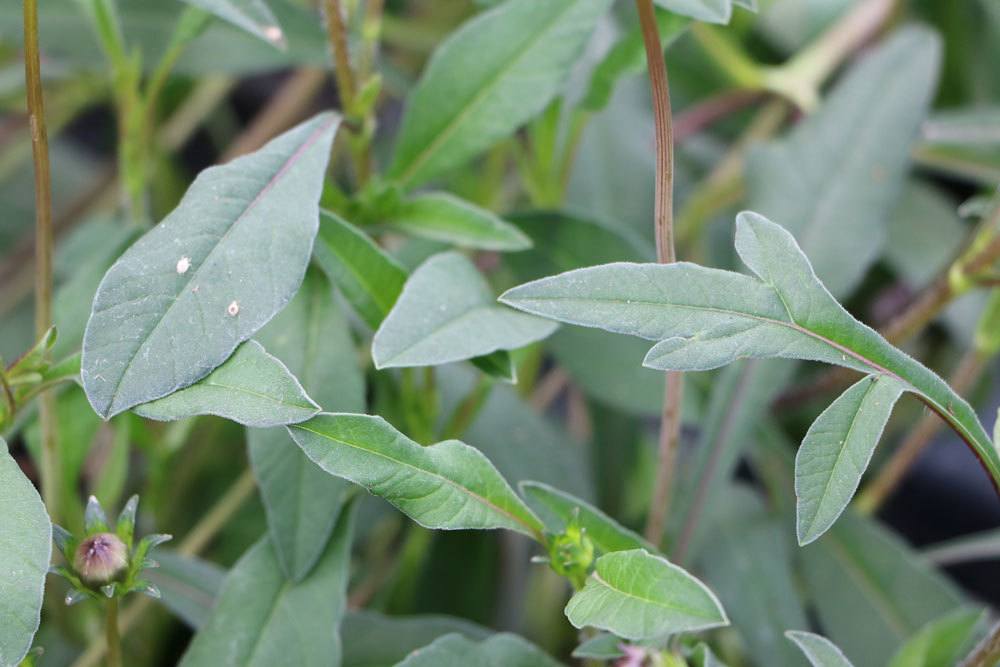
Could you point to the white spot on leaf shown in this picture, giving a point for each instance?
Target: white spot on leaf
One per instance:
(183, 264)
(233, 309)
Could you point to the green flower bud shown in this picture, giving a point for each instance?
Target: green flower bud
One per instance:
(101, 559)
(571, 553)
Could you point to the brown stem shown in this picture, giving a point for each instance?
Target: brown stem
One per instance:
(987, 654)
(709, 111)
(663, 218)
(337, 33)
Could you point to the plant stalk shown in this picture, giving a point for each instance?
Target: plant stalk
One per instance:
(670, 416)
(112, 635)
(49, 468)
(987, 653)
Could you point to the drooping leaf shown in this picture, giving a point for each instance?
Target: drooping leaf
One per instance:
(836, 451)
(834, 179)
(500, 650)
(820, 650)
(636, 595)
(488, 78)
(706, 318)
(377, 640)
(602, 646)
(261, 618)
(229, 257)
(940, 643)
(447, 313)
(188, 585)
(557, 508)
(449, 485)
(253, 16)
(25, 548)
(251, 387)
(440, 216)
(302, 501)
(369, 279)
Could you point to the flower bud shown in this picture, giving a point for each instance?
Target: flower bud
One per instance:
(100, 559)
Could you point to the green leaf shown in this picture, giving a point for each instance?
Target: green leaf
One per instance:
(500, 650)
(261, 618)
(833, 180)
(188, 585)
(302, 502)
(447, 313)
(820, 650)
(440, 216)
(836, 451)
(702, 656)
(636, 595)
(377, 640)
(222, 264)
(253, 16)
(499, 365)
(491, 76)
(251, 387)
(940, 643)
(369, 279)
(971, 126)
(709, 11)
(602, 646)
(25, 549)
(449, 485)
(557, 509)
(705, 318)
(984, 545)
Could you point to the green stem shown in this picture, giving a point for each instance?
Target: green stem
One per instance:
(743, 71)
(112, 635)
(466, 411)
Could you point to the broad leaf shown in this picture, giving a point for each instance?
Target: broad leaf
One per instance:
(447, 313)
(820, 650)
(636, 595)
(260, 617)
(229, 257)
(487, 79)
(836, 451)
(25, 548)
(705, 318)
(440, 216)
(834, 179)
(448, 485)
(254, 16)
(188, 585)
(302, 501)
(558, 508)
(941, 643)
(377, 640)
(252, 388)
(500, 650)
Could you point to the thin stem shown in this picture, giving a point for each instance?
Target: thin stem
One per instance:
(49, 469)
(337, 33)
(466, 411)
(112, 635)
(663, 220)
(987, 654)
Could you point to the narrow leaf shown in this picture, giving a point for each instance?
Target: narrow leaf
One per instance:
(369, 279)
(447, 313)
(491, 76)
(25, 549)
(229, 257)
(252, 388)
(377, 640)
(557, 508)
(440, 216)
(448, 485)
(820, 650)
(709, 11)
(942, 642)
(636, 595)
(836, 451)
(253, 16)
(500, 650)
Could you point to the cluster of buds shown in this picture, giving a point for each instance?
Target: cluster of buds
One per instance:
(571, 552)
(104, 563)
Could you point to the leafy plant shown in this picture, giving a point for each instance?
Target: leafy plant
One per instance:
(370, 367)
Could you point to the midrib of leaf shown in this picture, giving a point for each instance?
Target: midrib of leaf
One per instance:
(840, 453)
(474, 101)
(267, 621)
(288, 164)
(531, 529)
(657, 603)
(251, 392)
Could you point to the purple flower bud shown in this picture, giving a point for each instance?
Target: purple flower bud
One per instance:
(100, 558)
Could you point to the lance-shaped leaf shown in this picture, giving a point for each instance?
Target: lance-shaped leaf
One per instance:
(446, 313)
(636, 595)
(253, 16)
(25, 548)
(449, 485)
(835, 178)
(252, 388)
(487, 79)
(369, 279)
(710, 11)
(229, 257)
(557, 508)
(378, 640)
(261, 618)
(500, 650)
(942, 642)
(706, 318)
(440, 216)
(820, 651)
(836, 451)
